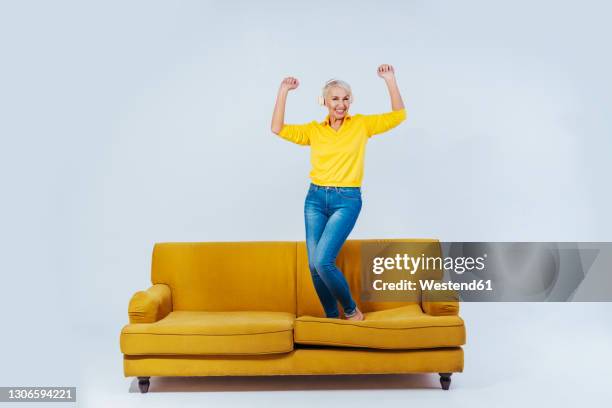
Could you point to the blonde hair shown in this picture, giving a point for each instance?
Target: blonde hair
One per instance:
(335, 82)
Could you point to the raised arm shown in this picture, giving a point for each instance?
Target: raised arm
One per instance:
(278, 117)
(387, 73)
(379, 123)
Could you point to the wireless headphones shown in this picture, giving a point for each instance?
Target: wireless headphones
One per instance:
(321, 98)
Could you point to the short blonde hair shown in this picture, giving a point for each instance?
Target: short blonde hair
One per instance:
(339, 83)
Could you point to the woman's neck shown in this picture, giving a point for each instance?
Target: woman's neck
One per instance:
(335, 123)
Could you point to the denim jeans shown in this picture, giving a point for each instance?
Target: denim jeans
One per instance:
(330, 214)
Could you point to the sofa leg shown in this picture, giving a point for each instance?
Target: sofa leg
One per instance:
(143, 384)
(445, 380)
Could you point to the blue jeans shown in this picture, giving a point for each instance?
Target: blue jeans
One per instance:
(330, 214)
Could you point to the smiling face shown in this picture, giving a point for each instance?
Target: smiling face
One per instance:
(337, 101)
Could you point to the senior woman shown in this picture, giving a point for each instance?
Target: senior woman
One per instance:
(332, 205)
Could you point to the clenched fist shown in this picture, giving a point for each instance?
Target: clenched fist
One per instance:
(290, 83)
(386, 71)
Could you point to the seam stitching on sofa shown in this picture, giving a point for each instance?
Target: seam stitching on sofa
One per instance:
(377, 328)
(199, 334)
(297, 348)
(328, 343)
(212, 354)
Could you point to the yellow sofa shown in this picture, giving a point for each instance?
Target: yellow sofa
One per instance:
(250, 309)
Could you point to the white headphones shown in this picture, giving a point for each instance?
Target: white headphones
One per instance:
(321, 98)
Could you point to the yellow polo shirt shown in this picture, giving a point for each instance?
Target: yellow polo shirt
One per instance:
(337, 157)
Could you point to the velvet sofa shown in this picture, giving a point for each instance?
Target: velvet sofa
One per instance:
(250, 309)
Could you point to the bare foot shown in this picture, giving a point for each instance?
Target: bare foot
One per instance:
(356, 316)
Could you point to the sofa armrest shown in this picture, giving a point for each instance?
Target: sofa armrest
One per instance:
(150, 305)
(440, 303)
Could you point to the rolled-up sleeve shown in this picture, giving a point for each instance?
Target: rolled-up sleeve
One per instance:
(298, 134)
(382, 122)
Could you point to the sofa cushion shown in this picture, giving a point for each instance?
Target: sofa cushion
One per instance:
(404, 327)
(197, 332)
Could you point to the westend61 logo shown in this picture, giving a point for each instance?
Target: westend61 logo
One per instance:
(413, 264)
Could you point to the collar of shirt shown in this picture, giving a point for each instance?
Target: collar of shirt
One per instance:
(326, 120)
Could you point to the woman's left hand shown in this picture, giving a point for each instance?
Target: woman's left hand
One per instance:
(386, 71)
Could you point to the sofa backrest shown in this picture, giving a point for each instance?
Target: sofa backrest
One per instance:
(349, 262)
(227, 276)
(261, 275)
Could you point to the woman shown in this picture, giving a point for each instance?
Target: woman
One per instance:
(337, 147)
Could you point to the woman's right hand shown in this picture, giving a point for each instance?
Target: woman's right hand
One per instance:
(289, 83)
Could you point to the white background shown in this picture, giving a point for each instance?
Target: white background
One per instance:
(129, 123)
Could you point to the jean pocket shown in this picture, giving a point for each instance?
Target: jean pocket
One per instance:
(350, 193)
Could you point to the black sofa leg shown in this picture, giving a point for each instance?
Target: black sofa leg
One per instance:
(445, 380)
(143, 384)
